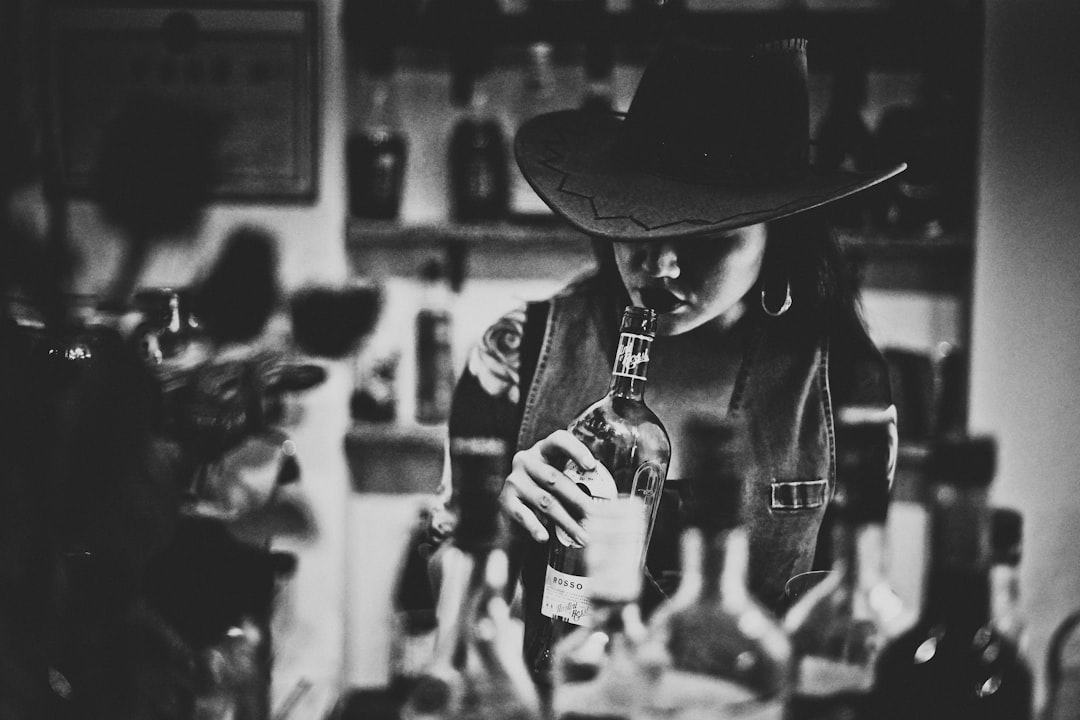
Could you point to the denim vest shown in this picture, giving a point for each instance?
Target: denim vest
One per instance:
(781, 388)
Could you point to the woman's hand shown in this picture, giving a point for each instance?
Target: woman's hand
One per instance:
(536, 487)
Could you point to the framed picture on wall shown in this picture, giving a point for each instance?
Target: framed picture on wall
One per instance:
(248, 70)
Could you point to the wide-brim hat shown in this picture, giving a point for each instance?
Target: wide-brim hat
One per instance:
(716, 137)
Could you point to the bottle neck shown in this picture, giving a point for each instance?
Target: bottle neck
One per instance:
(616, 617)
(382, 114)
(631, 368)
(715, 564)
(859, 554)
(958, 589)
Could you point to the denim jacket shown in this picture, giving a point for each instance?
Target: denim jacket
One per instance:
(566, 347)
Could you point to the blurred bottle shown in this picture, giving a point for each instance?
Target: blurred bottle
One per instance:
(839, 626)
(478, 155)
(632, 448)
(843, 140)
(435, 376)
(1006, 608)
(598, 670)
(951, 391)
(536, 95)
(953, 663)
(933, 196)
(377, 150)
(724, 654)
(168, 324)
(476, 670)
(599, 75)
(1063, 670)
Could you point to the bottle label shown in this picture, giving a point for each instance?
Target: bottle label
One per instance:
(685, 695)
(597, 483)
(632, 356)
(566, 596)
(820, 676)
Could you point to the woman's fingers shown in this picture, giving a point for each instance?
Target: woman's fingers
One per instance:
(536, 490)
(562, 445)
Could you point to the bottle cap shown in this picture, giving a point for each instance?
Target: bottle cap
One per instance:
(964, 461)
(717, 459)
(479, 467)
(616, 542)
(641, 320)
(1006, 535)
(865, 444)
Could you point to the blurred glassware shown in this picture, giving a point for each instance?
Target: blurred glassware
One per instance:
(330, 321)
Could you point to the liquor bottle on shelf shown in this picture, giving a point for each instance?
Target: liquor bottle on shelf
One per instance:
(721, 653)
(376, 152)
(838, 627)
(476, 670)
(953, 663)
(632, 448)
(536, 96)
(843, 139)
(933, 136)
(1006, 608)
(478, 154)
(435, 376)
(598, 669)
(599, 75)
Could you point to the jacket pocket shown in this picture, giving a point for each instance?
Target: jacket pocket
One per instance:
(792, 495)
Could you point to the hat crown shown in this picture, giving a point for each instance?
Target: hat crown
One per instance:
(721, 114)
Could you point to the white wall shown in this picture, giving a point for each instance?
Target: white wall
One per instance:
(1026, 345)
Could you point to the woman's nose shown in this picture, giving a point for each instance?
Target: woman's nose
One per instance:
(660, 259)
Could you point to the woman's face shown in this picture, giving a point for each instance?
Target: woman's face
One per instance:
(693, 281)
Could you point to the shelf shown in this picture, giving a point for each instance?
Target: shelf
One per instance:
(891, 34)
(553, 250)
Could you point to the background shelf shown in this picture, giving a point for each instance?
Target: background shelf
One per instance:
(553, 250)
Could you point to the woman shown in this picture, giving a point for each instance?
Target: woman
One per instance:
(702, 205)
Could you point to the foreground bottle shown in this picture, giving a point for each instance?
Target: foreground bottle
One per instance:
(476, 670)
(724, 655)
(839, 626)
(598, 670)
(953, 663)
(633, 450)
(1006, 608)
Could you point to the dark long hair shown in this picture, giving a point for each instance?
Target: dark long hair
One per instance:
(802, 249)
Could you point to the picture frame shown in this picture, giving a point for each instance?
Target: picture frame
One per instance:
(252, 67)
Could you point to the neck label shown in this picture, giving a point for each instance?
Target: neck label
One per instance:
(632, 356)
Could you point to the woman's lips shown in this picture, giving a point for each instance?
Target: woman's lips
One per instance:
(660, 299)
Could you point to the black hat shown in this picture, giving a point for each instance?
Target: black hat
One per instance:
(716, 137)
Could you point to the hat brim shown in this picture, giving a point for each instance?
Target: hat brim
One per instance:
(567, 157)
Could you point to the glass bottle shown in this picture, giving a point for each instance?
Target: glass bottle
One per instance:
(478, 155)
(843, 139)
(723, 654)
(477, 670)
(536, 96)
(953, 663)
(632, 448)
(435, 376)
(1006, 609)
(376, 153)
(599, 76)
(838, 627)
(598, 668)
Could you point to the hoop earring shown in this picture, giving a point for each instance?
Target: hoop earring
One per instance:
(783, 308)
